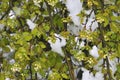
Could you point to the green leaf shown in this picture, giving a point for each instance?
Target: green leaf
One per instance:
(37, 66)
(65, 34)
(27, 36)
(4, 42)
(36, 32)
(52, 2)
(46, 27)
(17, 11)
(6, 49)
(106, 21)
(2, 76)
(118, 50)
(115, 18)
(42, 45)
(52, 38)
(37, 49)
(68, 19)
(20, 42)
(114, 27)
(118, 68)
(22, 54)
(54, 76)
(65, 76)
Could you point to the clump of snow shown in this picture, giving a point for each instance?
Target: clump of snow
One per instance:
(73, 29)
(91, 23)
(98, 65)
(113, 64)
(74, 7)
(11, 14)
(0, 49)
(94, 52)
(79, 44)
(82, 44)
(86, 75)
(99, 76)
(1, 26)
(7, 79)
(8, 55)
(12, 61)
(89, 75)
(60, 42)
(31, 24)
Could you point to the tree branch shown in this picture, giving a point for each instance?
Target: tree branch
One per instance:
(101, 29)
(69, 64)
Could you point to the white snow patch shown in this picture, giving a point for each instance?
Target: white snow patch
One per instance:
(1, 26)
(89, 75)
(12, 61)
(113, 64)
(31, 24)
(0, 49)
(99, 76)
(11, 14)
(82, 44)
(9, 54)
(7, 79)
(92, 23)
(98, 65)
(56, 47)
(74, 30)
(74, 7)
(86, 75)
(94, 52)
